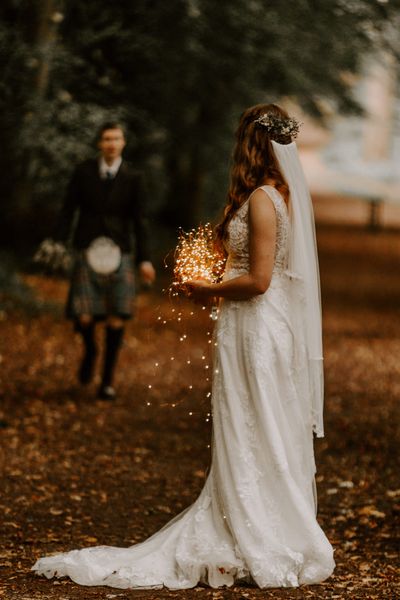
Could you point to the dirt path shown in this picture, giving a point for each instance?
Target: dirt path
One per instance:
(80, 472)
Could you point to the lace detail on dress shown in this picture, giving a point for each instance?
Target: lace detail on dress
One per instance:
(238, 240)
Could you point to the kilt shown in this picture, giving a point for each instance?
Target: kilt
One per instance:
(101, 295)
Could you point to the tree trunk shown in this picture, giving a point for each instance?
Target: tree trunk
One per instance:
(49, 16)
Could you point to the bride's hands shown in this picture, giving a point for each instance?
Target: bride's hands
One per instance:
(199, 290)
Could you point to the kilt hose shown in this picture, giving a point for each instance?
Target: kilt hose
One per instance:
(101, 295)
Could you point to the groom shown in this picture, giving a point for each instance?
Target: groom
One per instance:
(103, 207)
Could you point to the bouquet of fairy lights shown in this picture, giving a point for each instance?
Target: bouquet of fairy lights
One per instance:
(198, 257)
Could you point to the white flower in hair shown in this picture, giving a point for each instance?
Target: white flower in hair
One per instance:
(278, 127)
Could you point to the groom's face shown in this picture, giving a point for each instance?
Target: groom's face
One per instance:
(111, 143)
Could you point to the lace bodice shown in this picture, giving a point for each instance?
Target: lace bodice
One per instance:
(238, 241)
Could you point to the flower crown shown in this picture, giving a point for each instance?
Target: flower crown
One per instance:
(278, 127)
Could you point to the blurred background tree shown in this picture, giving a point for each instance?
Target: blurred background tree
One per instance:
(178, 74)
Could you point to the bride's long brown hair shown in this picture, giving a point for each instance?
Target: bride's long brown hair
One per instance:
(254, 163)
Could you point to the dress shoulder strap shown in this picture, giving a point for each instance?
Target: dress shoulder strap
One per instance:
(276, 197)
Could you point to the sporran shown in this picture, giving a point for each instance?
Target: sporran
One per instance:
(103, 256)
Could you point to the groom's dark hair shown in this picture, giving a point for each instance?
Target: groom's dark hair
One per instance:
(109, 125)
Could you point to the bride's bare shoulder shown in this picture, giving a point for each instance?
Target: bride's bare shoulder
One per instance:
(261, 211)
(261, 200)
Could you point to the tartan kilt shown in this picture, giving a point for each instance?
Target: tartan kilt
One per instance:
(101, 295)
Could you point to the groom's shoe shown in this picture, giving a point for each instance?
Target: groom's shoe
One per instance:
(106, 392)
(113, 343)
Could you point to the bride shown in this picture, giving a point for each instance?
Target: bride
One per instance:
(255, 519)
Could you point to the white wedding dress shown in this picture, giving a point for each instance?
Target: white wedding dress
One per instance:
(255, 519)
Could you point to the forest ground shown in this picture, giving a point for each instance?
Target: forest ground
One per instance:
(76, 471)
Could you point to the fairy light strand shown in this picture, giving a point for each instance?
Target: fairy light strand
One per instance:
(196, 256)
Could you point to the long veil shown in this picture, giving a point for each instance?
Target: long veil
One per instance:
(304, 271)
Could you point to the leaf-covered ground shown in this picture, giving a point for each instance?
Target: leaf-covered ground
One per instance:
(77, 472)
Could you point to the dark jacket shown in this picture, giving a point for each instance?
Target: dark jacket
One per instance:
(94, 207)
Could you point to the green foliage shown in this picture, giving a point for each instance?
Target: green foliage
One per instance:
(178, 73)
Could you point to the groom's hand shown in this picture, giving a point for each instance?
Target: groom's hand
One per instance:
(147, 272)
